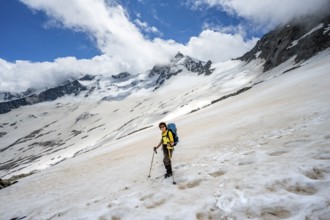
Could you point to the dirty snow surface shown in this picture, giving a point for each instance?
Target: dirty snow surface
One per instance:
(261, 154)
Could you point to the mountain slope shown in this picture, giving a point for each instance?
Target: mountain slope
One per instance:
(261, 155)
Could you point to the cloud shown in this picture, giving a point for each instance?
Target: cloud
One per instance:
(267, 13)
(218, 46)
(21, 75)
(109, 25)
(121, 41)
(144, 26)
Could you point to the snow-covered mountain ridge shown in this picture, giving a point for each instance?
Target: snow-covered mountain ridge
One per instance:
(115, 87)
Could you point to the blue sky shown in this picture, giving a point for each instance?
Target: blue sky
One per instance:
(43, 42)
(25, 34)
(176, 19)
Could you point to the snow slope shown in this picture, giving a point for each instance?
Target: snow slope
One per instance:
(261, 154)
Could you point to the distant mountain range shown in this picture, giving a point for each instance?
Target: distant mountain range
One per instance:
(124, 83)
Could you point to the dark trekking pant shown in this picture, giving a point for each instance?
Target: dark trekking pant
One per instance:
(167, 159)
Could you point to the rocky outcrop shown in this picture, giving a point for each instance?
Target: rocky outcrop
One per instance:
(49, 95)
(12, 180)
(8, 96)
(178, 64)
(70, 88)
(303, 39)
(122, 76)
(4, 183)
(87, 78)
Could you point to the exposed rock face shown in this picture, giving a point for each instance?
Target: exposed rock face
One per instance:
(14, 179)
(178, 64)
(87, 78)
(303, 39)
(70, 88)
(49, 95)
(122, 76)
(8, 106)
(8, 96)
(4, 183)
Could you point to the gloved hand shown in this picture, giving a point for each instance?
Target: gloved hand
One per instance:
(155, 150)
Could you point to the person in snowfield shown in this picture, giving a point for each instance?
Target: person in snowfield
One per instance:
(167, 142)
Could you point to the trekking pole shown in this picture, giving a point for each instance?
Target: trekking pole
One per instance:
(153, 154)
(170, 156)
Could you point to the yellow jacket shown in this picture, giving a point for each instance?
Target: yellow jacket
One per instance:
(167, 137)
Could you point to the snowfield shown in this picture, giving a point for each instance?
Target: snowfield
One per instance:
(260, 154)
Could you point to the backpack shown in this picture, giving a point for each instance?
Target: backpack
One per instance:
(172, 127)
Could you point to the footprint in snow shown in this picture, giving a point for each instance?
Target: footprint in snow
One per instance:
(269, 213)
(278, 153)
(315, 174)
(296, 188)
(301, 189)
(211, 213)
(275, 213)
(152, 200)
(296, 143)
(249, 152)
(190, 184)
(217, 173)
(246, 162)
(323, 156)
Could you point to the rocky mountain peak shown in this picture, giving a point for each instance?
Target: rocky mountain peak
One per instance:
(178, 56)
(303, 39)
(178, 64)
(87, 78)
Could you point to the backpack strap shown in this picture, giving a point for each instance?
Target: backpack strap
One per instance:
(169, 137)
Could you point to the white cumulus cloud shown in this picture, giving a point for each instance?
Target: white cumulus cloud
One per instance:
(109, 25)
(267, 13)
(120, 40)
(144, 26)
(218, 46)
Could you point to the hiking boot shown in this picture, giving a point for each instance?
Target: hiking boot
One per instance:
(168, 175)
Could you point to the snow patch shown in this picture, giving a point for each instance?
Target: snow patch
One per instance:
(295, 42)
